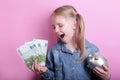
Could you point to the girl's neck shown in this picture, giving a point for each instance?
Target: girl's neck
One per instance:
(71, 46)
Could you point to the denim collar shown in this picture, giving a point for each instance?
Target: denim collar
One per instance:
(61, 46)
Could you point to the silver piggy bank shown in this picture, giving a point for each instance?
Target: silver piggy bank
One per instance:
(96, 60)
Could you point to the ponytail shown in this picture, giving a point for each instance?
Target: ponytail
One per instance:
(79, 34)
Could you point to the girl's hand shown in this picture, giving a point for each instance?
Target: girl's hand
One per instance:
(36, 67)
(103, 73)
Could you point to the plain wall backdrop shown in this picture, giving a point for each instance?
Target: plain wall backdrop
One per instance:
(24, 20)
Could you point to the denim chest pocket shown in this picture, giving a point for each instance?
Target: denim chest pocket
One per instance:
(58, 67)
(57, 60)
(58, 72)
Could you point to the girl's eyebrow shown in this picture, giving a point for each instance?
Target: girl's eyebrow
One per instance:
(59, 24)
(56, 24)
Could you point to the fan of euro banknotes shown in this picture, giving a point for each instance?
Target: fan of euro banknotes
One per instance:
(33, 50)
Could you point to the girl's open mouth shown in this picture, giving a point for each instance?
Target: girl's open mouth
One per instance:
(62, 35)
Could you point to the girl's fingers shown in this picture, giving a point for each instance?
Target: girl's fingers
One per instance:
(105, 68)
(103, 73)
(33, 66)
(36, 66)
(99, 71)
(39, 67)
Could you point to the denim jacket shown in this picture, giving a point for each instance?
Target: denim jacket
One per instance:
(63, 64)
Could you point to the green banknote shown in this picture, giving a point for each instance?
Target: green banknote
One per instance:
(33, 50)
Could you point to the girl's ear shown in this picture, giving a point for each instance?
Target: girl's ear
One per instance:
(75, 24)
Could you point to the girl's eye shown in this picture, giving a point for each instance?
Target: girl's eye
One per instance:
(60, 25)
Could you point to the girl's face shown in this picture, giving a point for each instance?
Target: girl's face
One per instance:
(63, 27)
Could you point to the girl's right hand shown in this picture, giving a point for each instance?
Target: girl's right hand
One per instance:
(36, 67)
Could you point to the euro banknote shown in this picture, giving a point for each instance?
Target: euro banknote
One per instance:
(33, 50)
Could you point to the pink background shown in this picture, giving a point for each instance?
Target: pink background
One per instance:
(24, 20)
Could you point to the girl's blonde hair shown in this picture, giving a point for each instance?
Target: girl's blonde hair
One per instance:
(70, 11)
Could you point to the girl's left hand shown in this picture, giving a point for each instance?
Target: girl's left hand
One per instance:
(103, 73)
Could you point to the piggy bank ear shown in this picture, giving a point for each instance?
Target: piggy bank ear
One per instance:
(97, 52)
(90, 55)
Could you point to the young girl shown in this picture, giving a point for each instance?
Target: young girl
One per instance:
(67, 59)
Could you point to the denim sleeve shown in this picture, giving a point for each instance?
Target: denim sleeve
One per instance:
(94, 48)
(49, 74)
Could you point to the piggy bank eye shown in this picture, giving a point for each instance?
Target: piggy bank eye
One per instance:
(96, 58)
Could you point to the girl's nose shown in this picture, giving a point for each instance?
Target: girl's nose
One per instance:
(56, 29)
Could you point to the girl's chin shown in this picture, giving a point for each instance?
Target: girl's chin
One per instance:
(63, 40)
